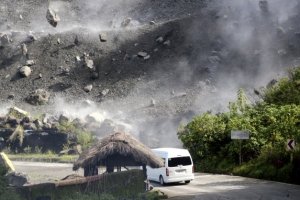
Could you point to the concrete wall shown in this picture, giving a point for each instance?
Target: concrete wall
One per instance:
(119, 184)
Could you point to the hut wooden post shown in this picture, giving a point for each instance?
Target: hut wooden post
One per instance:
(145, 177)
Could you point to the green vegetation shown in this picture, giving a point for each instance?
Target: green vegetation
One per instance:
(270, 123)
(17, 134)
(46, 157)
(82, 137)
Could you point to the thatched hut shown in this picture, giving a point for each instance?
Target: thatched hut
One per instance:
(117, 150)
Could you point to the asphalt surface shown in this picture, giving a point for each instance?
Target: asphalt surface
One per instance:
(204, 187)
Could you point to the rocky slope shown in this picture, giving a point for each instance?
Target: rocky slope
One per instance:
(174, 59)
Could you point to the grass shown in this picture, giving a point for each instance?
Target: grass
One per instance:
(42, 158)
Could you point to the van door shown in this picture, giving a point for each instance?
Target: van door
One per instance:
(180, 166)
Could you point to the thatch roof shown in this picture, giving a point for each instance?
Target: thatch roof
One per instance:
(121, 149)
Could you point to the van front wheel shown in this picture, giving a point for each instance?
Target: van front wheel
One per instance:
(161, 180)
(187, 182)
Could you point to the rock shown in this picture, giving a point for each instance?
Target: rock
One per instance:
(52, 17)
(280, 31)
(95, 75)
(47, 118)
(152, 22)
(4, 160)
(63, 118)
(87, 103)
(264, 6)
(78, 122)
(105, 92)
(47, 126)
(94, 117)
(25, 71)
(32, 37)
(167, 43)
(29, 126)
(38, 97)
(125, 22)
(76, 41)
(38, 123)
(160, 39)
(88, 88)
(30, 62)
(5, 40)
(147, 57)
(15, 111)
(17, 179)
(25, 120)
(107, 127)
(102, 37)
(142, 54)
(11, 96)
(89, 64)
(152, 103)
(13, 121)
(24, 49)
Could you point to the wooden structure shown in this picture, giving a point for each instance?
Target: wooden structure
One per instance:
(117, 150)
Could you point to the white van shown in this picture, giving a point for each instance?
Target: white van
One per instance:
(178, 166)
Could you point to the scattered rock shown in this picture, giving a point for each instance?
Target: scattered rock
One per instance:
(264, 6)
(167, 43)
(152, 103)
(87, 103)
(78, 122)
(5, 40)
(102, 37)
(32, 37)
(30, 62)
(160, 39)
(15, 111)
(25, 71)
(76, 41)
(17, 179)
(29, 126)
(152, 22)
(24, 49)
(125, 22)
(89, 64)
(147, 57)
(63, 118)
(142, 54)
(58, 40)
(95, 75)
(52, 17)
(88, 88)
(105, 92)
(38, 97)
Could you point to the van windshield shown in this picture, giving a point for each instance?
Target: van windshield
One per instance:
(174, 162)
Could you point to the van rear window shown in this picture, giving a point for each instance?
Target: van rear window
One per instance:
(174, 162)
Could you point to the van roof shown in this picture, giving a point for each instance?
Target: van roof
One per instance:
(173, 152)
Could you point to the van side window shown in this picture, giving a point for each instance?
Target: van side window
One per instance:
(184, 161)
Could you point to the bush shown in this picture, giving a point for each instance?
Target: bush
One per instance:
(285, 173)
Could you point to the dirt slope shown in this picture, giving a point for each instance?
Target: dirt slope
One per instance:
(208, 49)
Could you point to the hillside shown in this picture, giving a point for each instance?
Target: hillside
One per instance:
(174, 60)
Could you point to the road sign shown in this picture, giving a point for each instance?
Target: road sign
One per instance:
(290, 144)
(240, 135)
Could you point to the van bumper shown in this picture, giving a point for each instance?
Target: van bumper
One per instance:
(178, 179)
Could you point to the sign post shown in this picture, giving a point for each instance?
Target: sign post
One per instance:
(240, 135)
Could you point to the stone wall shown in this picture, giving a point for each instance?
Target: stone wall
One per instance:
(48, 140)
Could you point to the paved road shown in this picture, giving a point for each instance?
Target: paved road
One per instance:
(205, 186)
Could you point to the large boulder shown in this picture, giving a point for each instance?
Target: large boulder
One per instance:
(17, 178)
(38, 97)
(94, 117)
